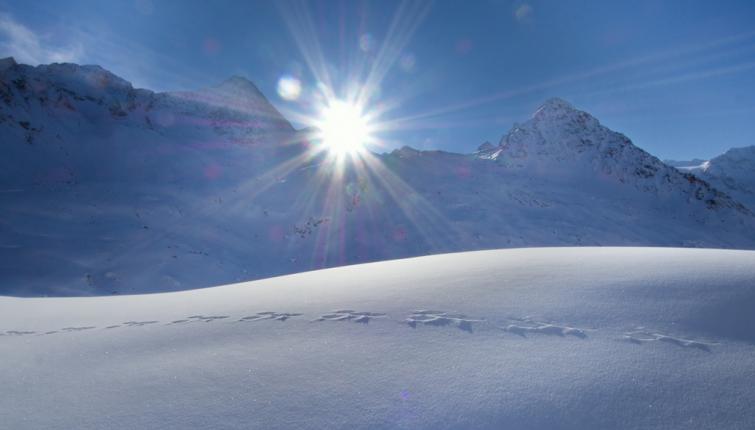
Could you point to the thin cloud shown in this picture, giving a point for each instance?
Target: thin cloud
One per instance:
(135, 63)
(523, 12)
(25, 46)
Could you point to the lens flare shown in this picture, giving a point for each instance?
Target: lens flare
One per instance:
(344, 129)
(289, 88)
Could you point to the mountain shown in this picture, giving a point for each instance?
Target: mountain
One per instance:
(732, 172)
(685, 164)
(112, 189)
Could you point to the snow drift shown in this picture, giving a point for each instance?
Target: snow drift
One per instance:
(568, 338)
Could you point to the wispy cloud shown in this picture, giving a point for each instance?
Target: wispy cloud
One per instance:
(523, 12)
(132, 61)
(26, 46)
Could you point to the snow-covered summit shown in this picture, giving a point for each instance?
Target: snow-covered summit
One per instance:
(732, 172)
(567, 142)
(485, 146)
(119, 190)
(239, 85)
(554, 107)
(55, 85)
(238, 104)
(235, 92)
(734, 160)
(558, 131)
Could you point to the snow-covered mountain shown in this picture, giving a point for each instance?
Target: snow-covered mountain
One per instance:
(732, 172)
(685, 164)
(109, 189)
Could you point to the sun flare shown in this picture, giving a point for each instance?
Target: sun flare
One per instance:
(344, 129)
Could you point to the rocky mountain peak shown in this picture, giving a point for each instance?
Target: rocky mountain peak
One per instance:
(239, 86)
(7, 62)
(554, 105)
(558, 131)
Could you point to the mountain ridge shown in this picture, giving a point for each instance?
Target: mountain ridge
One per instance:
(559, 132)
(732, 172)
(119, 190)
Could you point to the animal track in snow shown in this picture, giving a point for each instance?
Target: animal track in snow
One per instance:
(524, 326)
(203, 318)
(278, 316)
(70, 329)
(519, 326)
(641, 336)
(139, 323)
(199, 318)
(350, 315)
(17, 333)
(440, 318)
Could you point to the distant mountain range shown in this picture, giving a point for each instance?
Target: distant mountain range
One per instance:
(732, 172)
(109, 189)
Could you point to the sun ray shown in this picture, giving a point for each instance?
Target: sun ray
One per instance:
(654, 58)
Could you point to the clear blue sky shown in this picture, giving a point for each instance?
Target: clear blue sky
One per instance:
(677, 77)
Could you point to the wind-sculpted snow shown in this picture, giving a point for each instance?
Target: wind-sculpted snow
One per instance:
(106, 189)
(569, 338)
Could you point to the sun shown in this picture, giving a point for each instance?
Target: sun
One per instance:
(344, 129)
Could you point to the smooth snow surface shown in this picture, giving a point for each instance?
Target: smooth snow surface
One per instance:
(549, 338)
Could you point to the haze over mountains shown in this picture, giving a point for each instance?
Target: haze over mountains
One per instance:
(109, 189)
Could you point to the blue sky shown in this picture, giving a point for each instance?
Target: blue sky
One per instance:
(677, 77)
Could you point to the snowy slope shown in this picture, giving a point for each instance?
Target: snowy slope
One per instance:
(685, 164)
(111, 189)
(564, 141)
(98, 177)
(732, 172)
(570, 338)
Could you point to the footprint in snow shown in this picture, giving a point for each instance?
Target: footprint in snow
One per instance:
(206, 319)
(641, 336)
(199, 318)
(525, 326)
(441, 318)
(17, 333)
(277, 316)
(350, 315)
(71, 329)
(139, 323)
